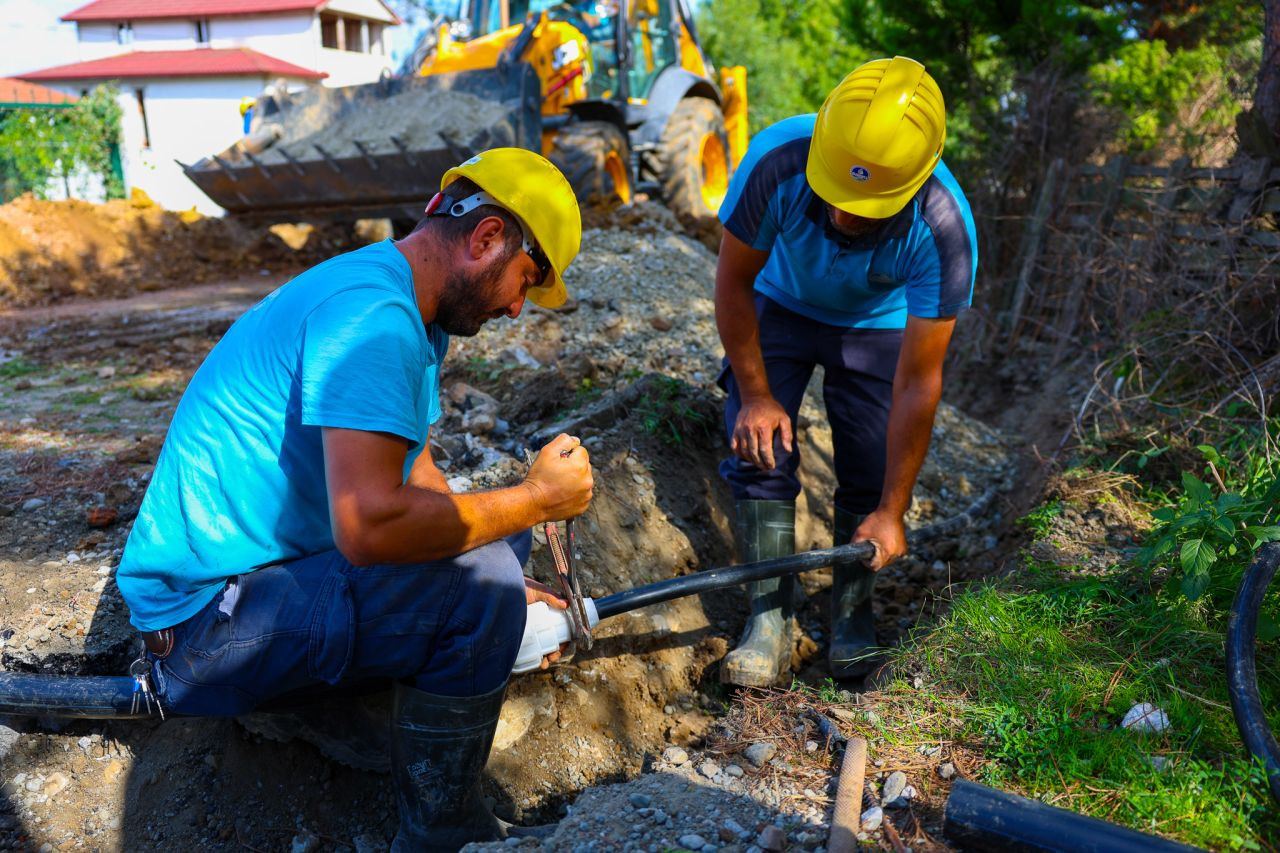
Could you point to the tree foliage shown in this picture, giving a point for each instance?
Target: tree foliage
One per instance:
(39, 146)
(1008, 65)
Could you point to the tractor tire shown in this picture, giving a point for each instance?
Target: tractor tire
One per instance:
(595, 157)
(694, 161)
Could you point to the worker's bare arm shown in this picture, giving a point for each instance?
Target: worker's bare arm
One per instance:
(917, 388)
(378, 518)
(425, 474)
(761, 415)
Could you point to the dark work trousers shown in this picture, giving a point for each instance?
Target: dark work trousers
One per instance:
(857, 387)
(450, 627)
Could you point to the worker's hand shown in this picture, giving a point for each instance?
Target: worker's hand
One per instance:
(538, 591)
(758, 420)
(560, 479)
(886, 531)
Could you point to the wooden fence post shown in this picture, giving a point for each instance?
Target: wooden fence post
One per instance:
(1031, 250)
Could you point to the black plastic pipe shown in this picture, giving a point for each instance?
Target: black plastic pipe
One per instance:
(982, 818)
(656, 593)
(1242, 670)
(96, 697)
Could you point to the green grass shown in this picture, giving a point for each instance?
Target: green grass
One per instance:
(1037, 678)
(1040, 520)
(17, 367)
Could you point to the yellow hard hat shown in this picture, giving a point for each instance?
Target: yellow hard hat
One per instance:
(534, 191)
(247, 103)
(877, 138)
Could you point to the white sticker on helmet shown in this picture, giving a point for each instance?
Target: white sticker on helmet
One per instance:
(860, 174)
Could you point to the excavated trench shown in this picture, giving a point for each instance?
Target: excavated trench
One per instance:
(629, 365)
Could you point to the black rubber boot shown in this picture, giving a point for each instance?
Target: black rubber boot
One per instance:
(765, 529)
(439, 746)
(853, 623)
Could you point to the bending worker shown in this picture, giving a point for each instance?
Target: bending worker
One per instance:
(296, 535)
(847, 244)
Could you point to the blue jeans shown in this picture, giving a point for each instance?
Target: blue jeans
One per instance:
(450, 627)
(857, 388)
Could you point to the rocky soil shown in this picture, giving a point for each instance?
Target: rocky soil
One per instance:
(86, 391)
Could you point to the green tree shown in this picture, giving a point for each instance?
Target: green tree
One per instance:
(794, 51)
(38, 146)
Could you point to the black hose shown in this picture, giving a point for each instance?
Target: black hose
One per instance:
(1242, 670)
(97, 697)
(981, 818)
(656, 593)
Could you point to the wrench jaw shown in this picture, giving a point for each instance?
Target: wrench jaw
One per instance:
(568, 578)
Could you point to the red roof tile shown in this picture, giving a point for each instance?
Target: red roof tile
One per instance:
(20, 93)
(138, 10)
(200, 62)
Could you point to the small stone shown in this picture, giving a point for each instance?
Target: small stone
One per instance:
(709, 769)
(113, 770)
(675, 755)
(640, 801)
(1145, 717)
(760, 753)
(893, 787)
(735, 827)
(734, 770)
(771, 838)
(811, 746)
(662, 324)
(946, 770)
(112, 823)
(55, 784)
(872, 818)
(304, 842)
(692, 841)
(33, 503)
(101, 516)
(8, 739)
(106, 372)
(369, 843)
(659, 816)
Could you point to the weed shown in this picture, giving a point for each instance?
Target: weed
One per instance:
(16, 367)
(1040, 520)
(666, 412)
(488, 370)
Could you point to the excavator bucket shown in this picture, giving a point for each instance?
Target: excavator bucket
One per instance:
(376, 150)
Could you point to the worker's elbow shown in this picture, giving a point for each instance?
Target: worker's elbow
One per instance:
(356, 547)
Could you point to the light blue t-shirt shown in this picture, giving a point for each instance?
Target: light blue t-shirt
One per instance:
(240, 481)
(921, 262)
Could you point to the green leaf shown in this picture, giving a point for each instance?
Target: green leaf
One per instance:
(1197, 492)
(1194, 585)
(1164, 513)
(1196, 557)
(1226, 526)
(1209, 452)
(1270, 533)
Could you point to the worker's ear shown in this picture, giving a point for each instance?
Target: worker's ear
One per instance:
(486, 238)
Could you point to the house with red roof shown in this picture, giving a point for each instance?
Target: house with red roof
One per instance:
(185, 68)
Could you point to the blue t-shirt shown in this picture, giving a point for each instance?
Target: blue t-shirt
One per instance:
(921, 262)
(240, 481)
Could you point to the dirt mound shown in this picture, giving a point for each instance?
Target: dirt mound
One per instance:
(53, 250)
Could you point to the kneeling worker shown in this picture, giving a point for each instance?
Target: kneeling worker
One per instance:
(847, 244)
(296, 535)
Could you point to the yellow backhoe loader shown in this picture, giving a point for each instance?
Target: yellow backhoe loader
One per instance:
(617, 93)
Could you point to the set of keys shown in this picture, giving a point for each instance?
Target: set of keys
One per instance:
(143, 691)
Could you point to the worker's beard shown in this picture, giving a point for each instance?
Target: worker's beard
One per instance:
(467, 302)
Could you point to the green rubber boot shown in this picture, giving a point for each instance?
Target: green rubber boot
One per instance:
(765, 529)
(853, 623)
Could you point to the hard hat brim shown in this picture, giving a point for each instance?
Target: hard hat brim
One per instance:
(553, 295)
(838, 194)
